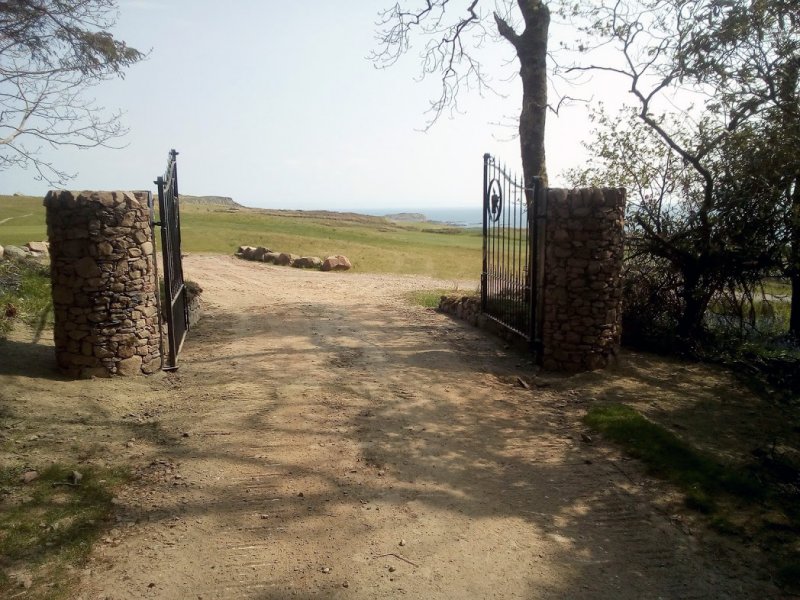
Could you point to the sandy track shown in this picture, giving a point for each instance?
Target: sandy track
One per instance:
(344, 444)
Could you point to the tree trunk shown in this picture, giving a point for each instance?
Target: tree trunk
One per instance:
(695, 303)
(532, 54)
(794, 262)
(531, 48)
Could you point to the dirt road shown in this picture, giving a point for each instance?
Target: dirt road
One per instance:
(323, 438)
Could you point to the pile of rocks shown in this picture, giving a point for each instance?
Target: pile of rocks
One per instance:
(104, 285)
(37, 250)
(286, 259)
(467, 308)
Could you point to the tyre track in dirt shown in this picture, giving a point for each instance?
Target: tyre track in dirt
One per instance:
(329, 422)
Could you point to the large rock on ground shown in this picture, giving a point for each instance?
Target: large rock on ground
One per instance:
(39, 248)
(243, 251)
(336, 263)
(2, 252)
(308, 262)
(16, 252)
(259, 252)
(271, 257)
(286, 259)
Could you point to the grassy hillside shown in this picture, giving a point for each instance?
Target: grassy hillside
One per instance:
(373, 244)
(21, 220)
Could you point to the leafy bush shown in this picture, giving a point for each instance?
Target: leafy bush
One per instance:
(651, 305)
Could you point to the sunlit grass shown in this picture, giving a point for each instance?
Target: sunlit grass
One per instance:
(373, 244)
(427, 298)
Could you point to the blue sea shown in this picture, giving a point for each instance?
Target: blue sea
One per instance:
(460, 217)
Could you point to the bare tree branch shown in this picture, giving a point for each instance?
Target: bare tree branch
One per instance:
(51, 53)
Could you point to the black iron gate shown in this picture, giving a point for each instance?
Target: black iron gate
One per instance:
(174, 289)
(513, 251)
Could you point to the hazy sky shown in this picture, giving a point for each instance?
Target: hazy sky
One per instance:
(275, 104)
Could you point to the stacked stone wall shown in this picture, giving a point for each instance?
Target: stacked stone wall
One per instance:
(583, 278)
(104, 283)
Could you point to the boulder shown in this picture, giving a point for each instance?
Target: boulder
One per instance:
(38, 247)
(285, 259)
(271, 257)
(308, 262)
(16, 252)
(245, 252)
(336, 263)
(2, 252)
(259, 253)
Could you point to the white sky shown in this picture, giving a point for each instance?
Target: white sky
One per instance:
(275, 104)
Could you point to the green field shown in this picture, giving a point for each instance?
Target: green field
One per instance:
(372, 244)
(21, 220)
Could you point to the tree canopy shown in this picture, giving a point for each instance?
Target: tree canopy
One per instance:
(715, 85)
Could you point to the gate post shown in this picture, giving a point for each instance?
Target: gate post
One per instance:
(537, 215)
(486, 158)
(104, 288)
(583, 278)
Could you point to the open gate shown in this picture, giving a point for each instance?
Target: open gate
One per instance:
(175, 308)
(513, 251)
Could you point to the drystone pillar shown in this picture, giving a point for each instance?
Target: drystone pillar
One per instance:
(104, 283)
(582, 278)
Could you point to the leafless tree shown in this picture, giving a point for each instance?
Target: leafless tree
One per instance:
(51, 53)
(454, 33)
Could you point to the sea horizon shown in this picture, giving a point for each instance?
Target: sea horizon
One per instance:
(458, 216)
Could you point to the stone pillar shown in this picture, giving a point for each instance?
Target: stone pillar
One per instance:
(582, 278)
(104, 283)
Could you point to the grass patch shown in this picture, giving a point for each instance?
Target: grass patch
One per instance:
(25, 294)
(22, 220)
(757, 502)
(431, 298)
(46, 528)
(700, 477)
(427, 298)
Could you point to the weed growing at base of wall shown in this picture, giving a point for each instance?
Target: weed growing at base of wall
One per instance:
(25, 294)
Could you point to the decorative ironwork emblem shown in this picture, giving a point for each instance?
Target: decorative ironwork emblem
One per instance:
(495, 200)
